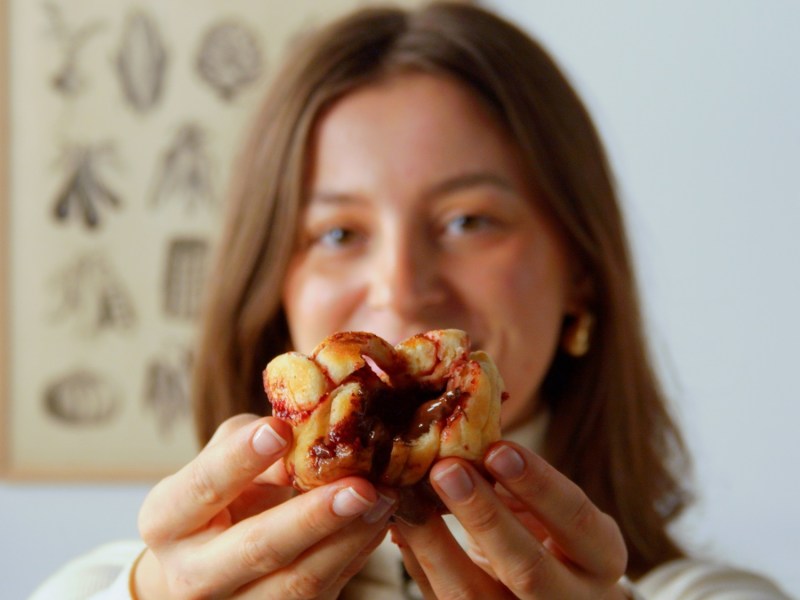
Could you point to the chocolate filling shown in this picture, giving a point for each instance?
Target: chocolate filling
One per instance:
(387, 414)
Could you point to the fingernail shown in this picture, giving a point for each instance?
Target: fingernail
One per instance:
(266, 441)
(455, 482)
(377, 512)
(505, 462)
(348, 503)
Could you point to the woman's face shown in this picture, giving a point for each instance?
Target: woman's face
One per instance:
(419, 216)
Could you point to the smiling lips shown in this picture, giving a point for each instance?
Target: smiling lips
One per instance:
(359, 406)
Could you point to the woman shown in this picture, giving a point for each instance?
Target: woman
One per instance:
(412, 171)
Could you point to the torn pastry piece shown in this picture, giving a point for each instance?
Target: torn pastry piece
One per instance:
(359, 406)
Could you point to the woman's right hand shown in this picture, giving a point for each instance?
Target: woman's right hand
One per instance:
(228, 525)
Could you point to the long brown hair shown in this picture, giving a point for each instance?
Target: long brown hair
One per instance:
(610, 430)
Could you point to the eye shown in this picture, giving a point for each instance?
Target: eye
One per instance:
(337, 237)
(468, 223)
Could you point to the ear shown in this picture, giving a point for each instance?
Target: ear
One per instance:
(581, 294)
(579, 314)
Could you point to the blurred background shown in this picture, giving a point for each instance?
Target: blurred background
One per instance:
(697, 102)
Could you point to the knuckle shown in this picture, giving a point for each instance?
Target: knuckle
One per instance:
(304, 585)
(202, 490)
(182, 589)
(484, 520)
(526, 576)
(185, 583)
(259, 555)
(583, 520)
(312, 521)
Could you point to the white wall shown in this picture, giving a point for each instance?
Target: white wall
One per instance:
(700, 105)
(44, 525)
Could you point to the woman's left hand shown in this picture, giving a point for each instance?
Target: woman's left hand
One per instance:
(547, 540)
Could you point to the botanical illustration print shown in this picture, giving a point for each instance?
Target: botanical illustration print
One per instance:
(128, 117)
(119, 243)
(85, 194)
(88, 293)
(82, 398)
(185, 171)
(229, 58)
(69, 79)
(141, 61)
(167, 392)
(187, 263)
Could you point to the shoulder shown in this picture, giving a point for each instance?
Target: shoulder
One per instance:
(695, 579)
(96, 571)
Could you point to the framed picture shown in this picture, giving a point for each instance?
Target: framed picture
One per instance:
(118, 124)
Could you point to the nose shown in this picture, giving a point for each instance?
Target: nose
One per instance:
(406, 277)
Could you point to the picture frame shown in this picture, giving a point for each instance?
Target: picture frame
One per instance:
(4, 226)
(118, 125)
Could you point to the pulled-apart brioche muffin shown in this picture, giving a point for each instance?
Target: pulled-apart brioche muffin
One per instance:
(359, 406)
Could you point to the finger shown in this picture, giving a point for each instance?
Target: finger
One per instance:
(475, 552)
(357, 564)
(323, 570)
(256, 498)
(590, 538)
(412, 566)
(274, 539)
(275, 475)
(230, 425)
(518, 559)
(522, 513)
(455, 577)
(268, 489)
(189, 499)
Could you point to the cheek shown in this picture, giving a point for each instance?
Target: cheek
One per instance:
(315, 306)
(531, 337)
(526, 306)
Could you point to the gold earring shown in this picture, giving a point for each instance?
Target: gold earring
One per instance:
(577, 335)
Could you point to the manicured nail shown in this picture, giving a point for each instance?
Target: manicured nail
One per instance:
(377, 512)
(506, 462)
(455, 482)
(267, 442)
(348, 503)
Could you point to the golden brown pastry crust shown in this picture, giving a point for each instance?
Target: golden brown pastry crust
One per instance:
(359, 406)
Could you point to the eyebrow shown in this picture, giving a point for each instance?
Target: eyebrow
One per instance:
(333, 198)
(441, 188)
(468, 180)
